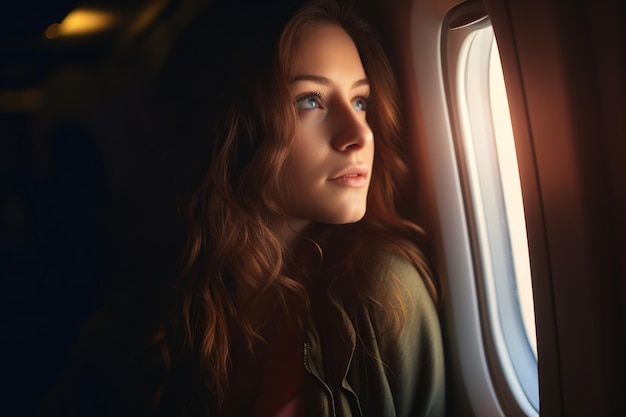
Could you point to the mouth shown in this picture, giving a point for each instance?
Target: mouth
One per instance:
(351, 177)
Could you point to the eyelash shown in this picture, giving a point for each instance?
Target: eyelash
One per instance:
(315, 95)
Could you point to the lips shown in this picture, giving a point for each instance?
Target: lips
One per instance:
(351, 177)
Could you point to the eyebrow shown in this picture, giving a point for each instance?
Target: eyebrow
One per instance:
(325, 81)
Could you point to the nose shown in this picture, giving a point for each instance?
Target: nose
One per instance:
(351, 131)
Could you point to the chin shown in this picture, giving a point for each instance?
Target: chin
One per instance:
(347, 218)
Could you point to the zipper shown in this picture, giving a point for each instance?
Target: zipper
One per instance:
(308, 369)
(354, 396)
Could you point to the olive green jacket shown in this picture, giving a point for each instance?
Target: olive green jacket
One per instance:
(377, 374)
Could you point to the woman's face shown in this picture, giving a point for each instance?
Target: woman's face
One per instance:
(330, 166)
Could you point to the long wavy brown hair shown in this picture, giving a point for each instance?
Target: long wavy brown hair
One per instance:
(230, 243)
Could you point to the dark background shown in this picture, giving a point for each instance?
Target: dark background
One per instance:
(87, 200)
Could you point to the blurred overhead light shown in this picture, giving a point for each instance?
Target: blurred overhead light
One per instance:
(82, 22)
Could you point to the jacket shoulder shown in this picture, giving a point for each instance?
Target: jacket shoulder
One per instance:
(413, 357)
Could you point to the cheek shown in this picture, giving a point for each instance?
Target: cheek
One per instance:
(303, 167)
(298, 168)
(308, 149)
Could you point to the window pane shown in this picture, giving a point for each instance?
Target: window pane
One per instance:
(512, 192)
(496, 213)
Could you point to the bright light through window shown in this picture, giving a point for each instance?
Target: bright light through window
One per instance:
(495, 211)
(511, 190)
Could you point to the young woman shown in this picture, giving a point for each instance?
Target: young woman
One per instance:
(303, 292)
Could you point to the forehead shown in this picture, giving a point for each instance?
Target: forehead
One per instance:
(327, 47)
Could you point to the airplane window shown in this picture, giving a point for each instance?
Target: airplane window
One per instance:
(485, 150)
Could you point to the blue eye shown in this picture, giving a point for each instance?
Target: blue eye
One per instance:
(360, 104)
(310, 101)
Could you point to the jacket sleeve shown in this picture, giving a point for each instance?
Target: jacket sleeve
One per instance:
(414, 358)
